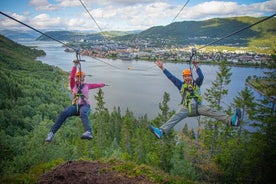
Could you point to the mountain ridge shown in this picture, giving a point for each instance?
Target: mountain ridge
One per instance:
(184, 33)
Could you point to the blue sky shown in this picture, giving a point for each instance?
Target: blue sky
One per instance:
(123, 15)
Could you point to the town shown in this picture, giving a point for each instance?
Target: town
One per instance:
(147, 51)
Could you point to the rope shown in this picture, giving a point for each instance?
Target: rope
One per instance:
(180, 10)
(37, 31)
(238, 31)
(101, 31)
(76, 50)
(190, 61)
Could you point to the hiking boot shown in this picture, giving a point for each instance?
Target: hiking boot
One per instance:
(156, 131)
(87, 135)
(236, 118)
(50, 137)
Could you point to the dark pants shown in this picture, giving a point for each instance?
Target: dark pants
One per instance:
(82, 111)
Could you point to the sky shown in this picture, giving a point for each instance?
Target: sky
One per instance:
(123, 15)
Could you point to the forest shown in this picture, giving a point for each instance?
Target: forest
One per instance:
(33, 94)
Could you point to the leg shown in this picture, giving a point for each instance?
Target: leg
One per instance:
(180, 114)
(69, 111)
(165, 128)
(212, 113)
(84, 111)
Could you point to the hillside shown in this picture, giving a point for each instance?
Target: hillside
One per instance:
(188, 33)
(203, 32)
(183, 33)
(32, 95)
(112, 171)
(76, 35)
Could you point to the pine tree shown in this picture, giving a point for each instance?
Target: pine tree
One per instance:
(217, 91)
(260, 159)
(246, 101)
(101, 123)
(127, 133)
(163, 106)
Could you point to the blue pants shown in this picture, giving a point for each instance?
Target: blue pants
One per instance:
(82, 111)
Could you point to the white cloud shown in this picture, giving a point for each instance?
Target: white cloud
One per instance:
(131, 15)
(68, 3)
(214, 9)
(42, 5)
(120, 2)
(268, 6)
(7, 23)
(44, 21)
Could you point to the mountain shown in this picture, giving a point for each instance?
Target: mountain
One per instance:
(203, 32)
(20, 34)
(177, 33)
(76, 35)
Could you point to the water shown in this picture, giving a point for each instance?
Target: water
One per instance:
(140, 85)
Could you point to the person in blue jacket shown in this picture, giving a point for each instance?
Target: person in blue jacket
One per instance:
(191, 103)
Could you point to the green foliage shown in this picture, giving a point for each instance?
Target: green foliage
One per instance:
(181, 166)
(131, 169)
(246, 101)
(217, 91)
(203, 32)
(32, 95)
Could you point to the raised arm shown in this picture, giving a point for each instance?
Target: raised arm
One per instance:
(200, 76)
(178, 83)
(72, 76)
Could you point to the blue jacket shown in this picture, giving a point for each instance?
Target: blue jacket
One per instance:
(178, 83)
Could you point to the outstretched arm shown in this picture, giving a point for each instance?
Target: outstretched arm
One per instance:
(95, 85)
(178, 83)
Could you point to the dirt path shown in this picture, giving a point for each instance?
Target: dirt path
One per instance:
(85, 172)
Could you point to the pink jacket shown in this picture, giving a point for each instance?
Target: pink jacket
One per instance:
(85, 89)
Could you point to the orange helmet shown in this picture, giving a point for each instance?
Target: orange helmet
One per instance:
(186, 72)
(80, 73)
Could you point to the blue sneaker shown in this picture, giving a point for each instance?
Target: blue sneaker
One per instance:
(236, 118)
(156, 131)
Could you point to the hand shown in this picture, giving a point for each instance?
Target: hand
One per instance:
(195, 63)
(76, 62)
(159, 64)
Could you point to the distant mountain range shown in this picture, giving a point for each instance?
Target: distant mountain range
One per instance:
(20, 34)
(203, 32)
(179, 33)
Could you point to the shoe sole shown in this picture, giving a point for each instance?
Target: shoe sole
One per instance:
(88, 138)
(238, 118)
(157, 136)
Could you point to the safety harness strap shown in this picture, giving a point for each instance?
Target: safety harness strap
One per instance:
(190, 92)
(77, 96)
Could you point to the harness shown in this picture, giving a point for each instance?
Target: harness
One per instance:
(77, 96)
(190, 92)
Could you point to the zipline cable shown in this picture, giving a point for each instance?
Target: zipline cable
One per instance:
(38, 31)
(180, 10)
(76, 50)
(101, 31)
(238, 31)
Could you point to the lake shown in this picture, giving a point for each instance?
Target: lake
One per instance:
(140, 85)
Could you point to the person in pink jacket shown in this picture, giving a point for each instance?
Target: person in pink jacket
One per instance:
(80, 103)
